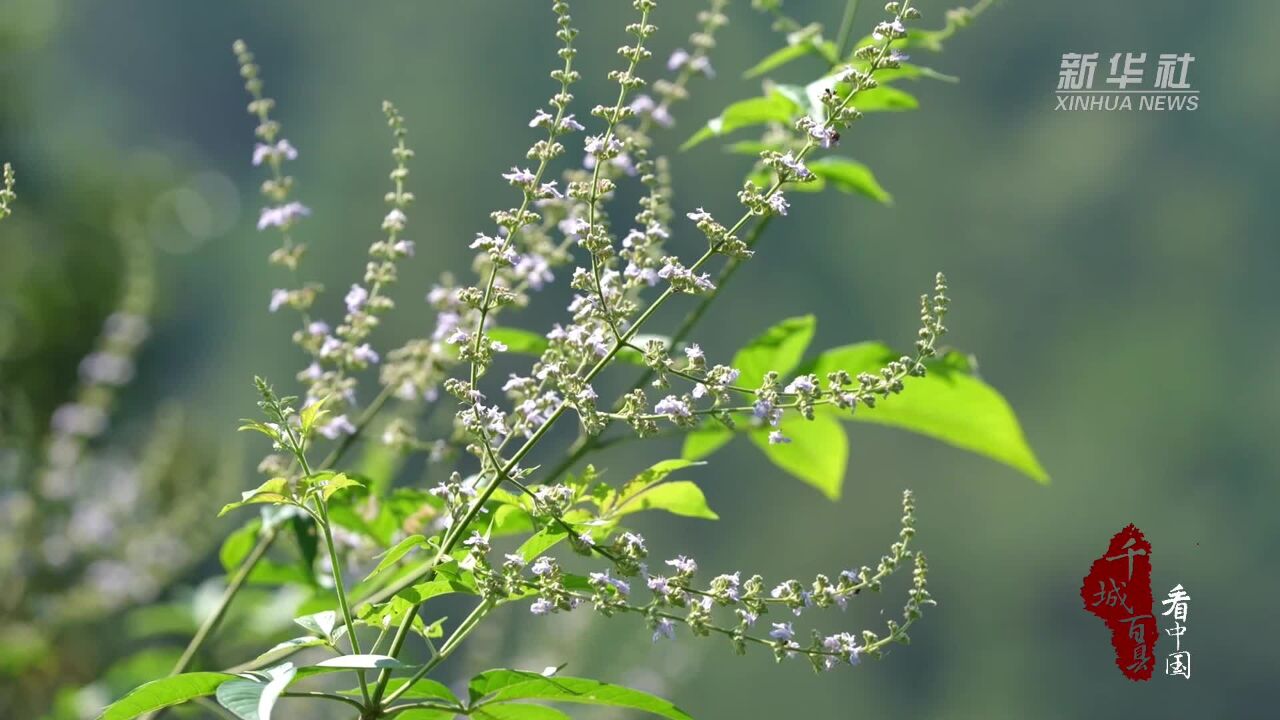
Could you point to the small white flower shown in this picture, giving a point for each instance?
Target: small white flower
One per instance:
(279, 298)
(337, 427)
(673, 407)
(519, 176)
(777, 438)
(664, 629)
(395, 220)
(365, 354)
(356, 298)
(541, 118)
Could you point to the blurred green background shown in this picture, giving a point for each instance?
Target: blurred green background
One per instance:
(1113, 272)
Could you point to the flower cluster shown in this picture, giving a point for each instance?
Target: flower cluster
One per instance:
(676, 599)
(7, 195)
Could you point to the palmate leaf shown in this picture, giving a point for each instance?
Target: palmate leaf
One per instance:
(502, 686)
(164, 693)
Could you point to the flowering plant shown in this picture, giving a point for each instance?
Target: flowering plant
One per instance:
(376, 556)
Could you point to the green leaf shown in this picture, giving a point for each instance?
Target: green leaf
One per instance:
(330, 484)
(164, 693)
(816, 454)
(321, 623)
(362, 662)
(274, 490)
(435, 587)
(679, 498)
(884, 98)
(312, 414)
(851, 177)
(285, 649)
(519, 711)
(949, 404)
(540, 542)
(519, 341)
(497, 686)
(238, 545)
(393, 556)
(254, 699)
(746, 113)
(790, 53)
(706, 439)
(779, 348)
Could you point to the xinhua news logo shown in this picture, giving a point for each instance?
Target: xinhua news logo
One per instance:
(1126, 86)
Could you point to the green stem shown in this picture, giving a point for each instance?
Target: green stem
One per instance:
(340, 590)
(236, 582)
(459, 634)
(846, 27)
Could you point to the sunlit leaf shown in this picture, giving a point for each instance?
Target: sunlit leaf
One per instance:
(790, 53)
(498, 686)
(950, 404)
(851, 177)
(518, 341)
(817, 451)
(254, 699)
(779, 348)
(679, 497)
(164, 693)
(746, 113)
(393, 556)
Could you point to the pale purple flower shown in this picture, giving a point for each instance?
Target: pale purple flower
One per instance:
(677, 59)
(279, 298)
(541, 606)
(694, 353)
(802, 385)
(519, 176)
(673, 407)
(356, 298)
(664, 629)
(778, 203)
(395, 220)
(541, 118)
(777, 438)
(337, 427)
(703, 65)
(77, 419)
(782, 631)
(106, 368)
(365, 354)
(683, 564)
(282, 216)
(541, 566)
(700, 215)
(795, 165)
(568, 124)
